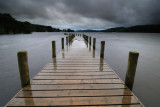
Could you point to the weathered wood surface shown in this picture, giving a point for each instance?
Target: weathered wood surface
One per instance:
(76, 77)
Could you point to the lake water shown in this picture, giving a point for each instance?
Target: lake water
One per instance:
(118, 45)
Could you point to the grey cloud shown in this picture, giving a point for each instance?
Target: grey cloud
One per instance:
(84, 13)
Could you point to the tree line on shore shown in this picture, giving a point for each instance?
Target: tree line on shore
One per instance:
(8, 25)
(139, 28)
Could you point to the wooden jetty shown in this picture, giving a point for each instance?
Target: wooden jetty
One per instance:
(77, 77)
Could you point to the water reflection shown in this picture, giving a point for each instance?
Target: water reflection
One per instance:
(101, 64)
(31, 101)
(86, 43)
(54, 63)
(63, 55)
(67, 48)
(127, 99)
(70, 43)
(89, 48)
(93, 54)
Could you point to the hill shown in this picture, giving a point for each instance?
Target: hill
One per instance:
(138, 28)
(8, 25)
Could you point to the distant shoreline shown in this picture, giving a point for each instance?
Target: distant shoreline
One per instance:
(8, 25)
(132, 29)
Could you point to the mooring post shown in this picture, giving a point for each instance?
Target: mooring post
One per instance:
(131, 69)
(62, 43)
(66, 40)
(69, 38)
(90, 40)
(73, 36)
(87, 39)
(102, 49)
(23, 68)
(53, 49)
(94, 43)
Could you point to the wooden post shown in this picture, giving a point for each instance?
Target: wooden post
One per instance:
(102, 49)
(53, 49)
(94, 43)
(131, 69)
(62, 43)
(23, 68)
(90, 40)
(89, 48)
(70, 39)
(87, 39)
(66, 40)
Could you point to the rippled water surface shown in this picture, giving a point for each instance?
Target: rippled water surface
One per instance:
(118, 45)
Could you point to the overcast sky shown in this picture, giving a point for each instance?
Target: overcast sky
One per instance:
(84, 14)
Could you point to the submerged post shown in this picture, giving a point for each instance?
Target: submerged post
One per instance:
(23, 68)
(94, 43)
(53, 49)
(90, 40)
(131, 69)
(66, 40)
(102, 49)
(62, 43)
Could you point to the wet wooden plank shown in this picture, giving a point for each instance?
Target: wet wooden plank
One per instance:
(91, 81)
(77, 58)
(77, 70)
(74, 87)
(75, 77)
(79, 61)
(76, 65)
(70, 58)
(74, 101)
(74, 93)
(75, 73)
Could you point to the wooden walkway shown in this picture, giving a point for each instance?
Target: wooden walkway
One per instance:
(76, 77)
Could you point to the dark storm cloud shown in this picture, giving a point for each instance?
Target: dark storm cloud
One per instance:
(84, 13)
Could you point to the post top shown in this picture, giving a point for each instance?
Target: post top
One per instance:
(103, 42)
(134, 52)
(22, 52)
